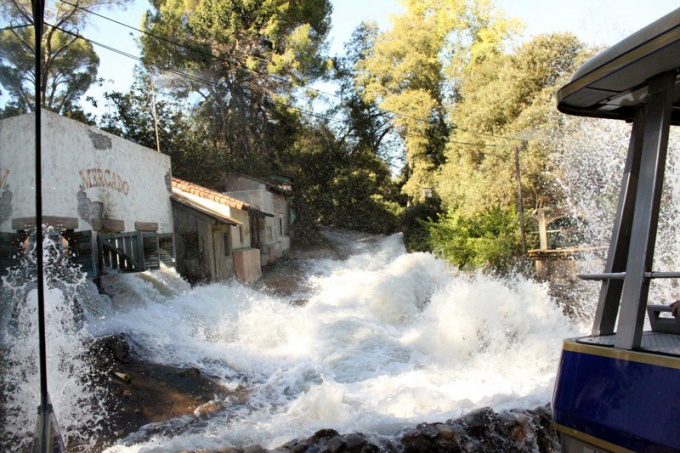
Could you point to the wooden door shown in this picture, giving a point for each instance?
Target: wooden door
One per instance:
(222, 254)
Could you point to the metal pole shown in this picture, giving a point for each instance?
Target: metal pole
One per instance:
(45, 407)
(647, 203)
(519, 201)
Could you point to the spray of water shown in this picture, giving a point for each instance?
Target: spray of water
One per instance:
(78, 403)
(590, 154)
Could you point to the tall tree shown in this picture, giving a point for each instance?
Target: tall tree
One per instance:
(509, 96)
(69, 64)
(506, 102)
(246, 60)
(367, 126)
(413, 72)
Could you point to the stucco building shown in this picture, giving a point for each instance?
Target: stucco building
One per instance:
(213, 234)
(107, 197)
(273, 232)
(114, 206)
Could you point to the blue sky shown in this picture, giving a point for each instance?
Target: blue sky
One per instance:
(600, 22)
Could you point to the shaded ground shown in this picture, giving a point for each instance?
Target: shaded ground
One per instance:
(142, 393)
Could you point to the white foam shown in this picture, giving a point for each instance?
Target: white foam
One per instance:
(386, 340)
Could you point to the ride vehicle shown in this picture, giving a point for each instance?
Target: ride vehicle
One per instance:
(618, 389)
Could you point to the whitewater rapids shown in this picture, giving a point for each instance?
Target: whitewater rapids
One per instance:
(386, 340)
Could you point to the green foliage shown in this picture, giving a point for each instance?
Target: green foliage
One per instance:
(245, 58)
(413, 69)
(485, 240)
(69, 64)
(507, 95)
(415, 219)
(130, 116)
(342, 187)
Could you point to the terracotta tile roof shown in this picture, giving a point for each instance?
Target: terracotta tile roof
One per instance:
(208, 194)
(200, 207)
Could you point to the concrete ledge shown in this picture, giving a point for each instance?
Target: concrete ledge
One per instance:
(108, 225)
(28, 223)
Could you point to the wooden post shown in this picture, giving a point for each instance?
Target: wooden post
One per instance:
(519, 201)
(542, 229)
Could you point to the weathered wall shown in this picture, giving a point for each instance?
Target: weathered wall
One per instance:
(240, 235)
(247, 265)
(272, 203)
(87, 174)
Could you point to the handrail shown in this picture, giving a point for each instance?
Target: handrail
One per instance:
(128, 262)
(622, 275)
(603, 276)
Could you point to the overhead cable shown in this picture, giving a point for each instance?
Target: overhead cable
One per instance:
(272, 76)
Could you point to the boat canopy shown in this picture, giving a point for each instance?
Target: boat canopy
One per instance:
(613, 82)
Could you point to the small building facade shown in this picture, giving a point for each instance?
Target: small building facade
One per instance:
(213, 239)
(108, 197)
(272, 232)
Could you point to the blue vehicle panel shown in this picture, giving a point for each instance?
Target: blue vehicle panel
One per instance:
(628, 399)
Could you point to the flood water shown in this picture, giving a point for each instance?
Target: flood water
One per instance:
(376, 342)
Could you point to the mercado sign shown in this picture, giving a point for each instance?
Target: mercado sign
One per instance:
(97, 177)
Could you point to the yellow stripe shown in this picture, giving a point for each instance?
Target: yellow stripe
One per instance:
(667, 38)
(622, 354)
(587, 438)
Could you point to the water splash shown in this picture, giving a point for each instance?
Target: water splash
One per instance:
(385, 340)
(78, 403)
(590, 155)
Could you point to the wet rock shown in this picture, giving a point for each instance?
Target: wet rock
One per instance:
(208, 409)
(144, 396)
(479, 422)
(481, 431)
(191, 372)
(330, 441)
(113, 348)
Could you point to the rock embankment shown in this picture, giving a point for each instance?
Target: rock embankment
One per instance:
(483, 430)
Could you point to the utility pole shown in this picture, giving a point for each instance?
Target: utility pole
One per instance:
(520, 204)
(155, 118)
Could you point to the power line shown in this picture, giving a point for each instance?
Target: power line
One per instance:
(16, 27)
(181, 73)
(214, 85)
(272, 76)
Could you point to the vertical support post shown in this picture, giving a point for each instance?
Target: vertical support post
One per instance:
(519, 202)
(610, 292)
(140, 252)
(647, 202)
(542, 229)
(155, 118)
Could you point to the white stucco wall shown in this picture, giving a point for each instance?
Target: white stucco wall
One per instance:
(87, 173)
(241, 230)
(267, 202)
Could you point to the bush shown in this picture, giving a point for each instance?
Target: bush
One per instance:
(415, 224)
(488, 240)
